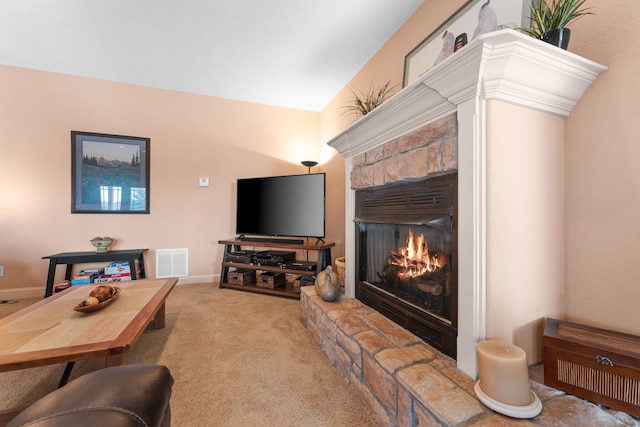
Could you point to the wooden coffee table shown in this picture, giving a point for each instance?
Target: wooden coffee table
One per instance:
(50, 331)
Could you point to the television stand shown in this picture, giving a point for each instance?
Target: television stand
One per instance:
(297, 268)
(275, 240)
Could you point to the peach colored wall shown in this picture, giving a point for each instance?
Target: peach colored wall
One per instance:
(191, 136)
(388, 63)
(603, 177)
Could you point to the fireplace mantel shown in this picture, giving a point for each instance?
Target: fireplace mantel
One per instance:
(515, 69)
(505, 65)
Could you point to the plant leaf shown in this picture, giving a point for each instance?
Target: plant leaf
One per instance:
(363, 103)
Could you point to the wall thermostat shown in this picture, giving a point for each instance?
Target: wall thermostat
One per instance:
(204, 182)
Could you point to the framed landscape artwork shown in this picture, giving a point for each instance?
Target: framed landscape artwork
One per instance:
(109, 173)
(475, 18)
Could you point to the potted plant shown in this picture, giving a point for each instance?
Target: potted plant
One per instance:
(363, 103)
(549, 19)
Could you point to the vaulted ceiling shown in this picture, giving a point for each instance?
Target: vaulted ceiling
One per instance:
(291, 53)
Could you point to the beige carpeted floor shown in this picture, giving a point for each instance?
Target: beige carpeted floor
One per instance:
(238, 359)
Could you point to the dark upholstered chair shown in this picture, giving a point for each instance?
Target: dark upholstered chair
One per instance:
(121, 396)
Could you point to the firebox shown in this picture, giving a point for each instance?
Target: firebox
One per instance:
(406, 256)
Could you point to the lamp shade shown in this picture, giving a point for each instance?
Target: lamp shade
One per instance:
(309, 164)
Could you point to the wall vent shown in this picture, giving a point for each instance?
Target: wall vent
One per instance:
(604, 383)
(172, 262)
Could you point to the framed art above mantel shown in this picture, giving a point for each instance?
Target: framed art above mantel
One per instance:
(474, 18)
(109, 173)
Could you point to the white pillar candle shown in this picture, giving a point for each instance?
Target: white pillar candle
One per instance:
(503, 372)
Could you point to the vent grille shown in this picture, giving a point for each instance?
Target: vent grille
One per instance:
(432, 336)
(409, 203)
(172, 263)
(387, 309)
(604, 383)
(434, 332)
(432, 199)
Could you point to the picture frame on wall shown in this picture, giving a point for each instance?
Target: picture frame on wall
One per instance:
(109, 173)
(474, 18)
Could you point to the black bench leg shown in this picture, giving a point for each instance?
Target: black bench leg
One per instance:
(66, 374)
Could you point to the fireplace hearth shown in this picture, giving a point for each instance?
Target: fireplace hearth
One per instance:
(406, 256)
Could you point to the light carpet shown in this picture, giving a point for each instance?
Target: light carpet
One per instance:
(238, 359)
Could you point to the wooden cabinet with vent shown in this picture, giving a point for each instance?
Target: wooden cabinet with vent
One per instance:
(596, 364)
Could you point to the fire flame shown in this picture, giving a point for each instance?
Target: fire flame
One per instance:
(414, 259)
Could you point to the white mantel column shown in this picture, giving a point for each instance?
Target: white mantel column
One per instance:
(471, 232)
(350, 243)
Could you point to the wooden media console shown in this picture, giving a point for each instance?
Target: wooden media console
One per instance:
(290, 289)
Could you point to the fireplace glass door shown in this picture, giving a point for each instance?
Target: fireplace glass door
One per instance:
(412, 262)
(406, 256)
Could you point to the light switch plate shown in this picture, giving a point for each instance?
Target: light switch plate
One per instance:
(204, 182)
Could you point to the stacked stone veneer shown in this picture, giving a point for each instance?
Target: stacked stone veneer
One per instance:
(405, 382)
(402, 380)
(429, 150)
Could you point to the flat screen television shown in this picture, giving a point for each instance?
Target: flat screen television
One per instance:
(292, 206)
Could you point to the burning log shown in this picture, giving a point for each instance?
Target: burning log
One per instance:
(415, 259)
(415, 267)
(432, 283)
(433, 289)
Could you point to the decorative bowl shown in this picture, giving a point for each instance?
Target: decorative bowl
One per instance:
(91, 308)
(102, 244)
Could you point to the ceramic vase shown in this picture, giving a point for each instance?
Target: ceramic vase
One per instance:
(327, 284)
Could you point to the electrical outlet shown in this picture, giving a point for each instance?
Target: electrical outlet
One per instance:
(1, 270)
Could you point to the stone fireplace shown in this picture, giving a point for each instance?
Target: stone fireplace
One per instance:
(504, 96)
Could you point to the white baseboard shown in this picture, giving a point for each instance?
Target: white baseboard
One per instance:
(21, 293)
(189, 280)
(38, 292)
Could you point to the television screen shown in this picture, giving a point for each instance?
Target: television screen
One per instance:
(291, 205)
